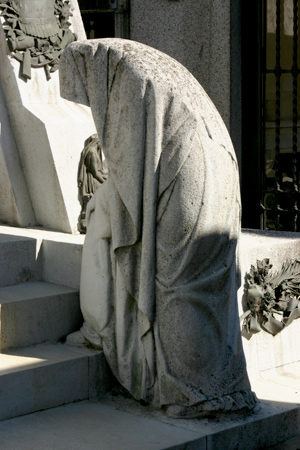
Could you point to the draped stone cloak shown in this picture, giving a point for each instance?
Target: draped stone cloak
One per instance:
(159, 276)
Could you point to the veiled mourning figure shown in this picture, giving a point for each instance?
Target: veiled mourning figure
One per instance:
(159, 277)
(92, 172)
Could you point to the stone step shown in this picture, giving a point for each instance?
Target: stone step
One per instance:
(48, 375)
(20, 259)
(117, 423)
(37, 312)
(57, 258)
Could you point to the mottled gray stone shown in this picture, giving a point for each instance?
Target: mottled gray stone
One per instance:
(15, 203)
(195, 33)
(32, 254)
(159, 281)
(31, 313)
(20, 259)
(44, 376)
(45, 136)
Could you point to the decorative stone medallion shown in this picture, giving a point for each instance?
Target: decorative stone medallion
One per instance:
(37, 31)
(273, 298)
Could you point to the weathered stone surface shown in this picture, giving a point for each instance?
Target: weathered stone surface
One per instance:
(91, 173)
(34, 254)
(32, 313)
(48, 375)
(49, 134)
(56, 258)
(197, 34)
(159, 278)
(123, 425)
(20, 259)
(15, 204)
(37, 32)
(264, 351)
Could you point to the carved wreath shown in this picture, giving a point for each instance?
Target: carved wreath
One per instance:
(273, 299)
(37, 31)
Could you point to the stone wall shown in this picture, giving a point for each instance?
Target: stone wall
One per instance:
(195, 33)
(41, 138)
(205, 37)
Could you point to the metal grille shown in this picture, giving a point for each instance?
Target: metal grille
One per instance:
(280, 113)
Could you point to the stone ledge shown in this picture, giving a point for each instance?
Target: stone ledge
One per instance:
(45, 376)
(37, 312)
(55, 257)
(123, 424)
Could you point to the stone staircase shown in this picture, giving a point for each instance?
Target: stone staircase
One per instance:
(39, 307)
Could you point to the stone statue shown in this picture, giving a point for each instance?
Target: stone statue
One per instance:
(159, 276)
(37, 31)
(92, 172)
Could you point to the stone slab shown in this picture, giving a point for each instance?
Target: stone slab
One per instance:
(15, 203)
(59, 255)
(287, 375)
(197, 34)
(291, 444)
(20, 259)
(277, 420)
(45, 376)
(32, 313)
(92, 426)
(62, 261)
(122, 424)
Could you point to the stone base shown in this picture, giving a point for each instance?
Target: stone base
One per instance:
(122, 424)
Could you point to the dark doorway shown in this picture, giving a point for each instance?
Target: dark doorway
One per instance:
(98, 24)
(98, 17)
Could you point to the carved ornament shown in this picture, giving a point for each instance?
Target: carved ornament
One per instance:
(273, 299)
(37, 31)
